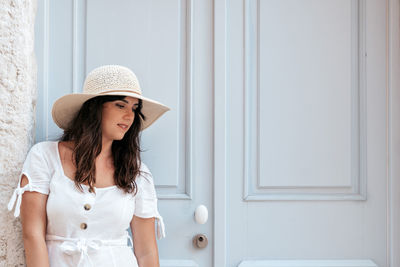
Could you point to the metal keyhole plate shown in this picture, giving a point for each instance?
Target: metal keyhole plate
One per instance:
(200, 241)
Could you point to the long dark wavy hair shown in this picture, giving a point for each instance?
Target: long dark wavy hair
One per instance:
(85, 131)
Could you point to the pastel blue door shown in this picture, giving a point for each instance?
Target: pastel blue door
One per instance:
(306, 124)
(168, 44)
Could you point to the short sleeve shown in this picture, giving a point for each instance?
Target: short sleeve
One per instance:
(146, 200)
(36, 169)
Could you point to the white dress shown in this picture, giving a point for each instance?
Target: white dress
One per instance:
(84, 229)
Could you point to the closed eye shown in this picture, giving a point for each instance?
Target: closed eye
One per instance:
(121, 106)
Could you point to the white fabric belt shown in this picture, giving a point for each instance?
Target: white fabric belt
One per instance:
(71, 246)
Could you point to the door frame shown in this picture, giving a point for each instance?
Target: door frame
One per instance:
(221, 134)
(393, 131)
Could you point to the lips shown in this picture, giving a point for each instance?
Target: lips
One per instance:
(123, 126)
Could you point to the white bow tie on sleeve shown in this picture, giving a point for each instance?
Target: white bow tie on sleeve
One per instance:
(17, 196)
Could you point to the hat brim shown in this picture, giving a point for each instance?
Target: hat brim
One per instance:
(67, 107)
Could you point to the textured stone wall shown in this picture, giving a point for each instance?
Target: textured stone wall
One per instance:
(17, 112)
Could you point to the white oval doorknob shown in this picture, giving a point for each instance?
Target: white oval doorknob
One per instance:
(201, 214)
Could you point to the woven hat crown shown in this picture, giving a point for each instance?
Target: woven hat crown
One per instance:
(111, 77)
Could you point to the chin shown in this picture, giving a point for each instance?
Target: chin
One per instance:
(119, 137)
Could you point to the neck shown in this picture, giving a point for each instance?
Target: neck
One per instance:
(106, 152)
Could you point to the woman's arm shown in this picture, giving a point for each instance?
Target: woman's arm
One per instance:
(34, 222)
(144, 241)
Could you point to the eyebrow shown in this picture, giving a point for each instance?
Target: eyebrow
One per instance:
(123, 100)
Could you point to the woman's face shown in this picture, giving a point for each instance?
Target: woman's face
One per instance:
(117, 117)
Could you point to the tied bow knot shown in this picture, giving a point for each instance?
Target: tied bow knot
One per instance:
(160, 227)
(17, 196)
(82, 246)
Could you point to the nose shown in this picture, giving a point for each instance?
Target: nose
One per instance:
(129, 115)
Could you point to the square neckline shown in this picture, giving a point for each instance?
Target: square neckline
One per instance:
(61, 169)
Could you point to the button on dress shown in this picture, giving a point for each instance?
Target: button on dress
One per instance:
(85, 229)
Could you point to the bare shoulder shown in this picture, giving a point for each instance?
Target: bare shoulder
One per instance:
(66, 148)
(68, 145)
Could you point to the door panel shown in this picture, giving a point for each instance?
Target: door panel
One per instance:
(307, 127)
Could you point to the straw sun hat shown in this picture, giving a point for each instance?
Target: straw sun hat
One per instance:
(106, 80)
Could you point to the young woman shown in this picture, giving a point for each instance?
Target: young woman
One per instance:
(78, 196)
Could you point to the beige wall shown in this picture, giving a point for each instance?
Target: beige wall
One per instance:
(17, 110)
